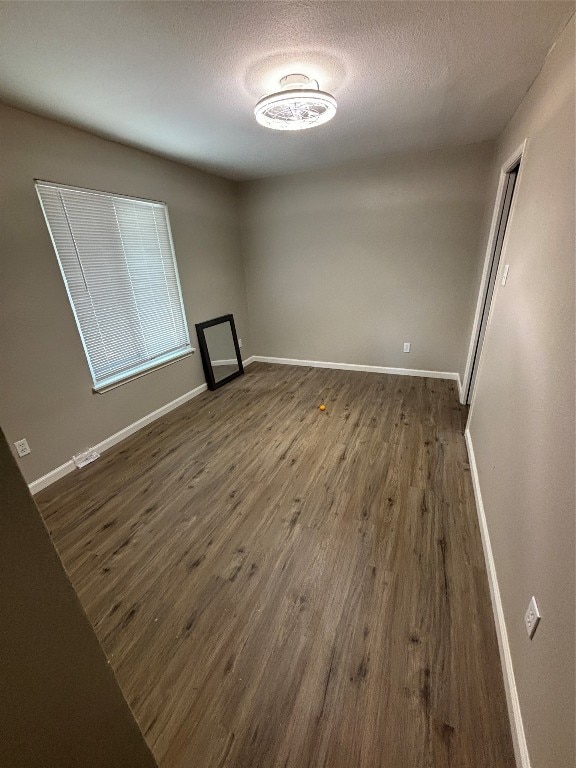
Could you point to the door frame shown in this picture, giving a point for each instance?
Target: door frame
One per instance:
(518, 156)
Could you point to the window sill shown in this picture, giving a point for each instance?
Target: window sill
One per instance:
(137, 373)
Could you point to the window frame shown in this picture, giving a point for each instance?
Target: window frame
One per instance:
(136, 371)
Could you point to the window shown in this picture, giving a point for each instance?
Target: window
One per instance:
(118, 264)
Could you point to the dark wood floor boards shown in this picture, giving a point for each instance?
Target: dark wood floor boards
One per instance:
(277, 586)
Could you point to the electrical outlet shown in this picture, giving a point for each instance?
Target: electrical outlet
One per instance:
(239, 342)
(406, 346)
(505, 274)
(22, 447)
(532, 617)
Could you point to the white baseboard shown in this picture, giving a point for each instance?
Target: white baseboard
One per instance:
(514, 712)
(356, 367)
(51, 477)
(461, 392)
(248, 361)
(69, 466)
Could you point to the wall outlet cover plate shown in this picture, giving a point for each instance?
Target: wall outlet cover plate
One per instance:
(22, 447)
(532, 617)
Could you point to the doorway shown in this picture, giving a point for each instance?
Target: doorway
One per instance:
(502, 216)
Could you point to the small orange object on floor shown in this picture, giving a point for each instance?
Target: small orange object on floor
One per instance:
(322, 407)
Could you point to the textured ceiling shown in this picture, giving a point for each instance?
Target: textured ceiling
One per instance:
(181, 79)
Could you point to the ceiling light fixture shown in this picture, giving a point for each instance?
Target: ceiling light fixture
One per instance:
(298, 104)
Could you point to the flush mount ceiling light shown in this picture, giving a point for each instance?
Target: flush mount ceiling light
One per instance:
(298, 104)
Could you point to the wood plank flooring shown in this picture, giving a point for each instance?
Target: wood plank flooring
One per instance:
(278, 586)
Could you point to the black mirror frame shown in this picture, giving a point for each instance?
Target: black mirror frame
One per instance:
(206, 362)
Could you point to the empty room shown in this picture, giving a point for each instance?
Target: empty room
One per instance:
(287, 384)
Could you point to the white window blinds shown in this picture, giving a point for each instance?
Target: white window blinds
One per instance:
(119, 267)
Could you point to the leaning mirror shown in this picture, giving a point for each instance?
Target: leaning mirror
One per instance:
(220, 351)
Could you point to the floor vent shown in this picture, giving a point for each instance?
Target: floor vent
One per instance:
(81, 459)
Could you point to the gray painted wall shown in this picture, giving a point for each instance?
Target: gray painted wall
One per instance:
(46, 393)
(522, 417)
(60, 703)
(345, 265)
